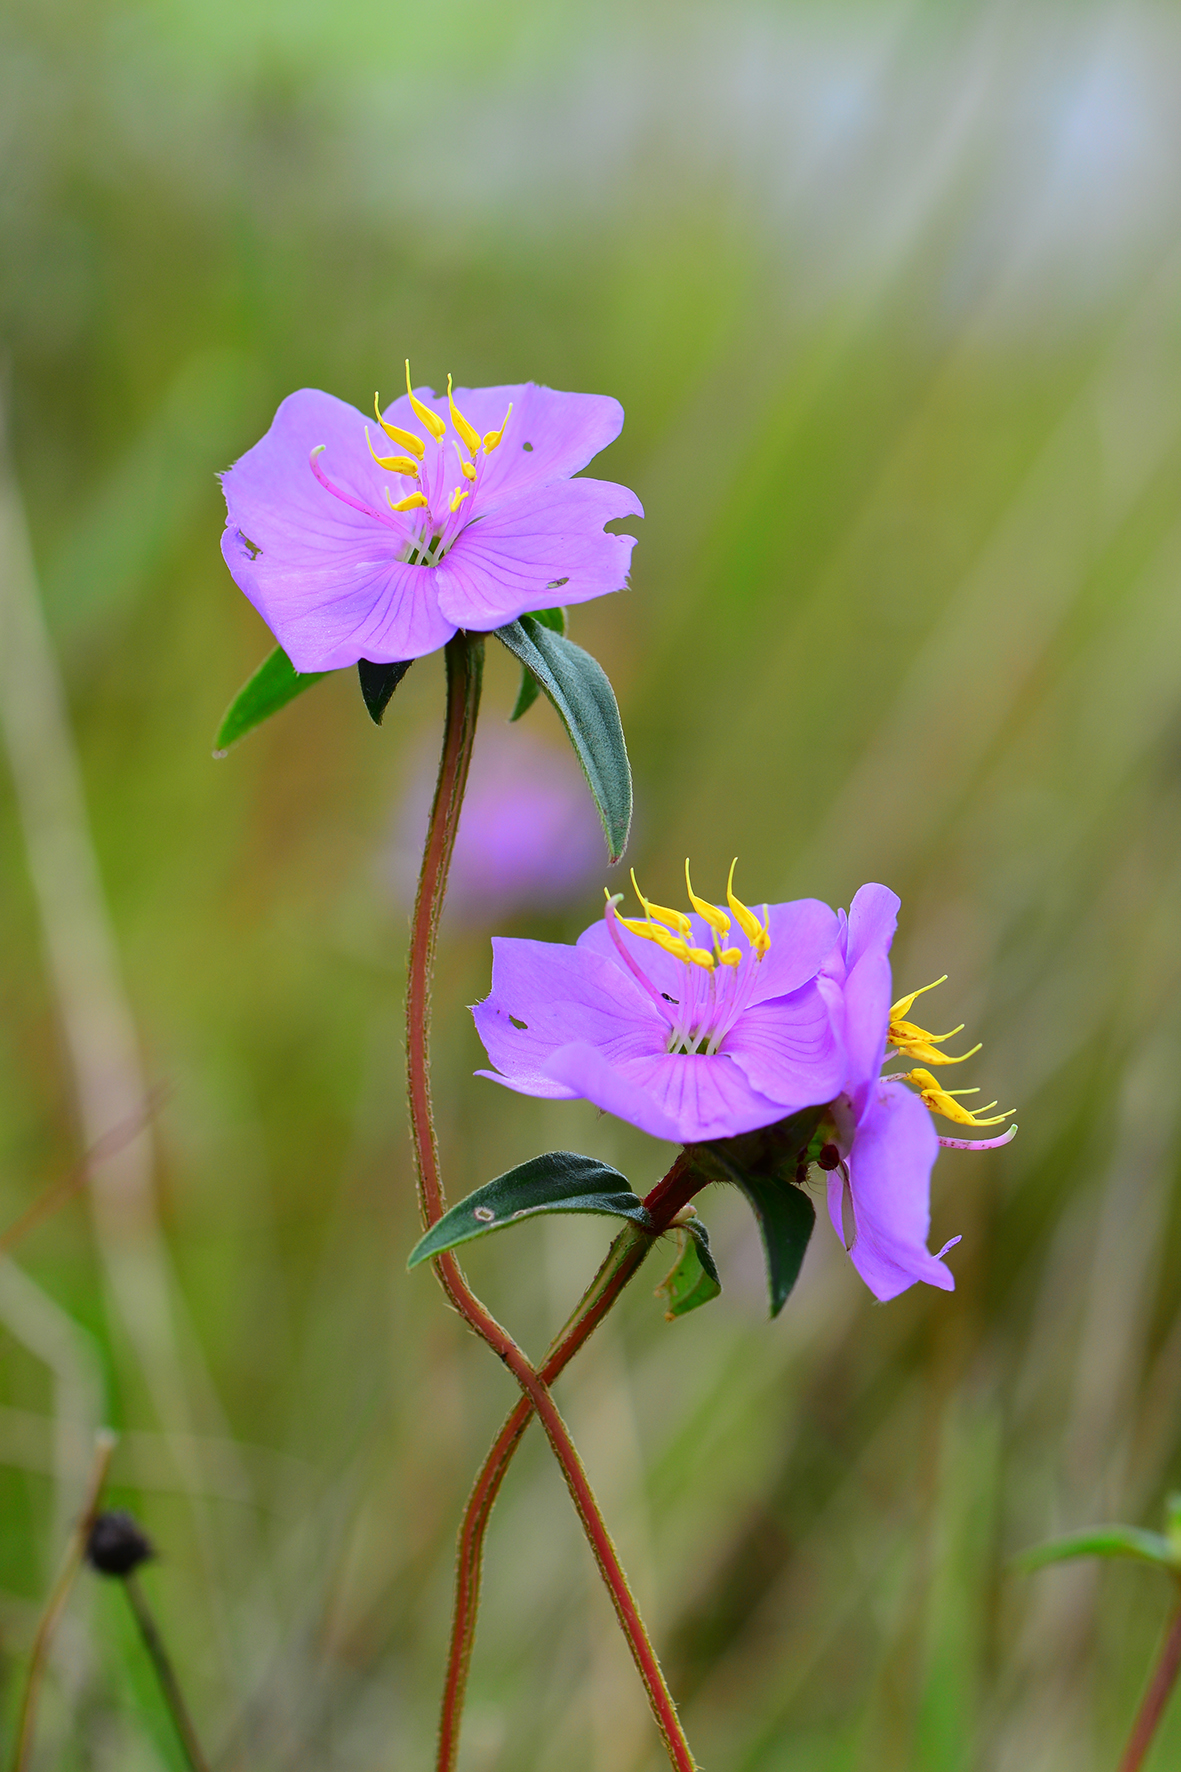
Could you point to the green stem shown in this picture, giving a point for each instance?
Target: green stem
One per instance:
(464, 661)
(165, 1674)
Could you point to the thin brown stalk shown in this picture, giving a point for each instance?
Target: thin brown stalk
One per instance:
(1152, 1707)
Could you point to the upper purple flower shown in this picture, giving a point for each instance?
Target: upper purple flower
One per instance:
(348, 552)
(693, 1027)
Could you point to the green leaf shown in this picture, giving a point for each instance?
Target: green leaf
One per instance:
(786, 1218)
(1100, 1541)
(378, 682)
(578, 687)
(273, 685)
(694, 1279)
(528, 692)
(560, 1181)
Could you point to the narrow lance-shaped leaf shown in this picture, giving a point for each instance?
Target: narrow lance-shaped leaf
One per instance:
(1101, 1541)
(694, 1279)
(528, 693)
(378, 682)
(560, 1181)
(273, 685)
(585, 701)
(785, 1214)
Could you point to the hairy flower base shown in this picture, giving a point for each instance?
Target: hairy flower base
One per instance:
(708, 1025)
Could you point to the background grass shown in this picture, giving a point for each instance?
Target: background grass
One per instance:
(890, 295)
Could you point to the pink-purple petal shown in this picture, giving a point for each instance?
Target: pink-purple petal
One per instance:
(564, 432)
(695, 1097)
(546, 545)
(802, 935)
(788, 1050)
(873, 918)
(889, 1175)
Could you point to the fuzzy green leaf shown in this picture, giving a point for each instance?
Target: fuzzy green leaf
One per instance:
(694, 1279)
(273, 685)
(560, 1181)
(1100, 1541)
(585, 701)
(528, 693)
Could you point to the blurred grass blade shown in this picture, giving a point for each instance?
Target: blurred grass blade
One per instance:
(528, 693)
(694, 1279)
(559, 1181)
(578, 687)
(1100, 1541)
(378, 682)
(273, 685)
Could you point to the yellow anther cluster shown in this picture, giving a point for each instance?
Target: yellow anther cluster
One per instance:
(916, 1042)
(408, 464)
(671, 929)
(942, 1101)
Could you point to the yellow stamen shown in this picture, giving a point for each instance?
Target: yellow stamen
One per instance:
(457, 498)
(468, 470)
(405, 504)
(395, 464)
(730, 957)
(407, 439)
(675, 919)
(917, 1042)
(468, 432)
(492, 438)
(672, 944)
(717, 920)
(423, 414)
(942, 1101)
(758, 934)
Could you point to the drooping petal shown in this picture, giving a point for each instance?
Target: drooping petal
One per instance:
(545, 996)
(867, 1014)
(543, 546)
(687, 1097)
(325, 576)
(788, 1049)
(889, 1178)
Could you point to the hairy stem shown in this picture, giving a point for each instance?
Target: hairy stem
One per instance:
(464, 661)
(621, 1264)
(1152, 1707)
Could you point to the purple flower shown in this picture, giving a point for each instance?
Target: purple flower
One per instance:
(528, 836)
(348, 553)
(885, 1146)
(693, 1027)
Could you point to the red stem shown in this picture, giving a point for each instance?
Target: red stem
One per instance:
(464, 660)
(623, 1261)
(1156, 1698)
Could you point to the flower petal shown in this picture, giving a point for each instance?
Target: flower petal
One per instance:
(674, 1095)
(324, 576)
(550, 435)
(867, 994)
(802, 935)
(889, 1178)
(873, 918)
(788, 1050)
(545, 545)
(545, 996)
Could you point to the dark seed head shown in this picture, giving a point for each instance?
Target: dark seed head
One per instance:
(829, 1156)
(117, 1545)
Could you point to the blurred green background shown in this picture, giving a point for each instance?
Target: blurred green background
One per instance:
(890, 295)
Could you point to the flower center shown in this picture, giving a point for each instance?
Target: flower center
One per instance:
(428, 494)
(713, 985)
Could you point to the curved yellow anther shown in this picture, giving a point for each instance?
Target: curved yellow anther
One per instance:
(717, 920)
(942, 1101)
(468, 432)
(675, 919)
(904, 1005)
(407, 439)
(423, 414)
(758, 934)
(458, 496)
(672, 944)
(394, 464)
(405, 504)
(917, 1042)
(492, 438)
(468, 470)
(730, 957)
